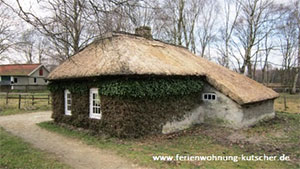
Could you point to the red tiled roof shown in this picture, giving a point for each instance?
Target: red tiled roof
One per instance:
(17, 69)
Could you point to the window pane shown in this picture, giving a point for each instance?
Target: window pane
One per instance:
(69, 107)
(205, 96)
(213, 97)
(95, 103)
(209, 97)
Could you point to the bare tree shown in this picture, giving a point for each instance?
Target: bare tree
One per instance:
(249, 30)
(288, 45)
(226, 31)
(31, 46)
(118, 15)
(207, 24)
(6, 33)
(268, 47)
(269, 34)
(178, 20)
(71, 25)
(296, 16)
(65, 26)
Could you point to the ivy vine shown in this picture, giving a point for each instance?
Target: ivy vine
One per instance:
(133, 87)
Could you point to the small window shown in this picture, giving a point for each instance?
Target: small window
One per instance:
(41, 72)
(95, 107)
(34, 80)
(68, 102)
(46, 80)
(209, 96)
(15, 80)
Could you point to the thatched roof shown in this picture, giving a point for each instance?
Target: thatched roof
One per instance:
(125, 54)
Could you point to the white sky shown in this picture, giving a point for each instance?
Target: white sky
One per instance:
(33, 6)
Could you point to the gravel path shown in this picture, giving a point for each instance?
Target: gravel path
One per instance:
(70, 151)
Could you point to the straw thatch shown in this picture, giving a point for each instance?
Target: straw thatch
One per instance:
(124, 54)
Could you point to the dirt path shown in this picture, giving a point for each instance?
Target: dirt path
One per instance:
(70, 151)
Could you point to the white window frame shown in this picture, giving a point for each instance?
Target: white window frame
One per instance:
(209, 96)
(67, 112)
(94, 115)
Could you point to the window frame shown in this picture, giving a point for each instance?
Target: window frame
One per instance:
(93, 115)
(209, 97)
(67, 112)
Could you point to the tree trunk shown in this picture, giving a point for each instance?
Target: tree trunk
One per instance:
(294, 87)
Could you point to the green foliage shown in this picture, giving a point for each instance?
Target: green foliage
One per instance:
(72, 86)
(135, 88)
(150, 88)
(131, 107)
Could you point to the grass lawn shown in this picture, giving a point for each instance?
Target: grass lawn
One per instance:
(276, 137)
(14, 153)
(293, 103)
(26, 103)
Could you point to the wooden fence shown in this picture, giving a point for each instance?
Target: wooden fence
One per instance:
(33, 98)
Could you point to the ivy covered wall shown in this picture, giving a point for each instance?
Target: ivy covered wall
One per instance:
(131, 106)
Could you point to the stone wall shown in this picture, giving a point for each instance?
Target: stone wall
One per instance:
(222, 111)
(257, 111)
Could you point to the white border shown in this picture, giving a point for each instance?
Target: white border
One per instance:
(94, 115)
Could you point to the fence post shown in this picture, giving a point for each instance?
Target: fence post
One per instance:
(6, 98)
(284, 101)
(48, 99)
(19, 101)
(32, 99)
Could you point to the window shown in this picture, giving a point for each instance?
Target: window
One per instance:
(68, 102)
(34, 80)
(15, 80)
(95, 107)
(46, 80)
(41, 72)
(209, 96)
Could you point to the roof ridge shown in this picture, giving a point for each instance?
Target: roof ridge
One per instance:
(116, 33)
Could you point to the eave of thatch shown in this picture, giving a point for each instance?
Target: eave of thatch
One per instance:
(124, 54)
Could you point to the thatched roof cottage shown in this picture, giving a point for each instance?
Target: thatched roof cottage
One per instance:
(128, 85)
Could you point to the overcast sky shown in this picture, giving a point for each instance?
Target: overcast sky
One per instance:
(32, 5)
